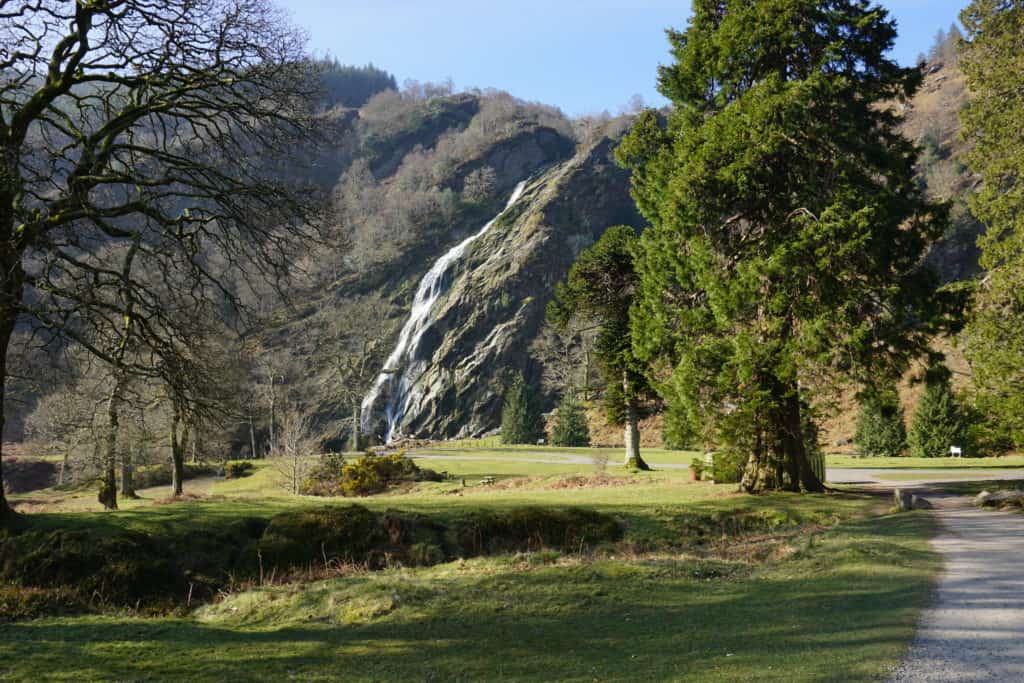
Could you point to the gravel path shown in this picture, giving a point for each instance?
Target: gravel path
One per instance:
(974, 628)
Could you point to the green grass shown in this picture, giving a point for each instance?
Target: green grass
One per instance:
(707, 585)
(1008, 461)
(842, 606)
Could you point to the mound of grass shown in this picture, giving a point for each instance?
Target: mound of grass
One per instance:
(841, 606)
(106, 567)
(126, 568)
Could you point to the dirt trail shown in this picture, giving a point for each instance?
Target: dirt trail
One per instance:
(974, 628)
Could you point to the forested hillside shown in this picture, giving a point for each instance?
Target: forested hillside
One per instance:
(406, 175)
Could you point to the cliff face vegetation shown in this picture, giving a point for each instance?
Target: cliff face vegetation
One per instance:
(416, 175)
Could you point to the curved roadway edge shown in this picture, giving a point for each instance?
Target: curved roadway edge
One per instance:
(974, 628)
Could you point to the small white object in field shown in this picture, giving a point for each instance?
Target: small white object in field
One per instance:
(956, 451)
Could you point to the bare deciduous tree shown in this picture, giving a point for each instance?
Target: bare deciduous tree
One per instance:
(144, 123)
(295, 447)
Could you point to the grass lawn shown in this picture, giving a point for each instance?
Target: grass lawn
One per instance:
(839, 605)
(707, 585)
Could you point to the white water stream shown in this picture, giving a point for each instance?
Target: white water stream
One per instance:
(402, 368)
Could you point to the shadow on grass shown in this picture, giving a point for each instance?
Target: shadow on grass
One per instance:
(843, 609)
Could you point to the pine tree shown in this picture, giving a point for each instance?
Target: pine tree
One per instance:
(787, 225)
(881, 431)
(601, 286)
(992, 61)
(570, 427)
(521, 419)
(938, 422)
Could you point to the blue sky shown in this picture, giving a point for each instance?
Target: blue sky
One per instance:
(581, 55)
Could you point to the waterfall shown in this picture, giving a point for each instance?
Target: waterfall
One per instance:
(402, 369)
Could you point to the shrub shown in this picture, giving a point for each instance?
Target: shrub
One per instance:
(880, 427)
(325, 477)
(236, 469)
(366, 476)
(361, 478)
(727, 466)
(938, 422)
(570, 427)
(697, 467)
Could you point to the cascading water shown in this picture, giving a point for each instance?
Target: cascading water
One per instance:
(402, 368)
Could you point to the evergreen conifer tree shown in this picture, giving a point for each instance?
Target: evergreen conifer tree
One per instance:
(787, 226)
(881, 431)
(601, 286)
(938, 422)
(521, 419)
(570, 427)
(993, 61)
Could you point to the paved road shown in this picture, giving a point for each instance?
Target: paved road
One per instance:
(843, 475)
(836, 475)
(974, 628)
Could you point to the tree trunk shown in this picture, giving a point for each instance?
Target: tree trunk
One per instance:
(632, 434)
(63, 473)
(780, 462)
(273, 401)
(356, 425)
(128, 473)
(108, 480)
(11, 290)
(195, 447)
(177, 454)
(252, 438)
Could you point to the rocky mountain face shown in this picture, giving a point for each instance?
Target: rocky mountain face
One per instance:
(495, 305)
(411, 181)
(417, 182)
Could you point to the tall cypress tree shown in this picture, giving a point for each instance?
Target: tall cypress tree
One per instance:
(788, 228)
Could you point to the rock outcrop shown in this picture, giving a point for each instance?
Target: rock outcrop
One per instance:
(495, 304)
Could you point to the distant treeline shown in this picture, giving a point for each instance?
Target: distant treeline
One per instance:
(352, 86)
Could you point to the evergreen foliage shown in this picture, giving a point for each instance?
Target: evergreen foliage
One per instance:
(521, 419)
(881, 431)
(601, 285)
(938, 422)
(352, 86)
(570, 427)
(788, 227)
(993, 61)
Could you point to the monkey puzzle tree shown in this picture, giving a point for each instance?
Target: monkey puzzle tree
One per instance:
(788, 228)
(601, 286)
(159, 125)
